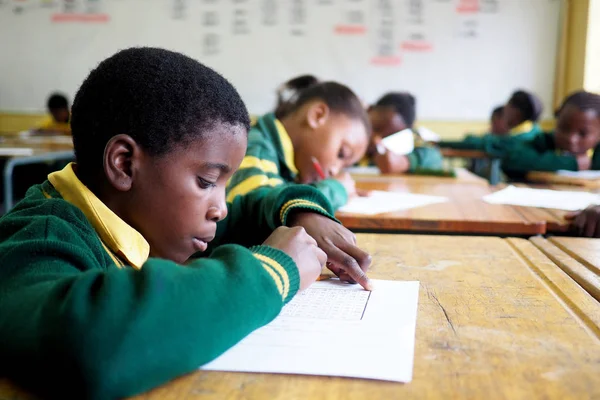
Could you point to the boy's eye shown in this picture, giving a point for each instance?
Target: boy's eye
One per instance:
(204, 184)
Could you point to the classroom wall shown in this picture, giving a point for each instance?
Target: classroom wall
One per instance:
(592, 57)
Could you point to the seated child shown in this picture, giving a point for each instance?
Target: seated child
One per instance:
(393, 113)
(58, 120)
(498, 124)
(572, 146)
(520, 113)
(326, 124)
(99, 296)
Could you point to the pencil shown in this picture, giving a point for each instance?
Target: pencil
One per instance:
(318, 167)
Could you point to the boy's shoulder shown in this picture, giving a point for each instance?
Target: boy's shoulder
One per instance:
(43, 214)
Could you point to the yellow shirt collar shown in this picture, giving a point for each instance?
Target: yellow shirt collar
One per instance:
(286, 144)
(115, 233)
(523, 127)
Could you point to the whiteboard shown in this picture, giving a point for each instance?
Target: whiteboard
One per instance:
(459, 57)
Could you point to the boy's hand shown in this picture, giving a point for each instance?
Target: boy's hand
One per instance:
(388, 162)
(587, 222)
(302, 248)
(583, 162)
(344, 258)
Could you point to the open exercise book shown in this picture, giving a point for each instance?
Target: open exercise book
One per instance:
(335, 329)
(543, 198)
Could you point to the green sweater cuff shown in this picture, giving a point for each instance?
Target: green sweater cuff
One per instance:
(281, 268)
(314, 202)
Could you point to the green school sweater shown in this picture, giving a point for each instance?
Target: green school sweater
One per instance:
(539, 154)
(83, 314)
(269, 162)
(422, 157)
(489, 142)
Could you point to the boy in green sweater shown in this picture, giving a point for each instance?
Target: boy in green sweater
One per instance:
(573, 146)
(324, 129)
(95, 299)
(392, 113)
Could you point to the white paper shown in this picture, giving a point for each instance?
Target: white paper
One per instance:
(402, 142)
(591, 175)
(428, 135)
(16, 151)
(543, 198)
(335, 329)
(370, 170)
(382, 202)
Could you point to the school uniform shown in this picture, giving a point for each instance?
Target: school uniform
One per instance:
(50, 125)
(269, 162)
(85, 312)
(525, 131)
(422, 157)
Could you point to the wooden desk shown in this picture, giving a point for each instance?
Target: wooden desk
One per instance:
(462, 176)
(578, 257)
(465, 212)
(497, 320)
(553, 178)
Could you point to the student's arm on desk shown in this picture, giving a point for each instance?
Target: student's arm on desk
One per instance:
(425, 158)
(586, 222)
(72, 326)
(524, 158)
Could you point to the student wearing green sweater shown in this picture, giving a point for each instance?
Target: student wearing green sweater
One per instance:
(521, 113)
(99, 295)
(395, 112)
(573, 146)
(327, 123)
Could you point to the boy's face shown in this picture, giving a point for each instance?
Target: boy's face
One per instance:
(577, 131)
(337, 142)
(385, 121)
(512, 116)
(499, 126)
(176, 199)
(60, 114)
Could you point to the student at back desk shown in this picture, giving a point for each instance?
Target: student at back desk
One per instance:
(520, 114)
(325, 122)
(58, 122)
(95, 301)
(395, 112)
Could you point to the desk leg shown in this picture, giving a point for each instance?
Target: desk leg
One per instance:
(8, 184)
(495, 171)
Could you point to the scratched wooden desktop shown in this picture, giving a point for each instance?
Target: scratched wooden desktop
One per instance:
(578, 257)
(497, 319)
(464, 212)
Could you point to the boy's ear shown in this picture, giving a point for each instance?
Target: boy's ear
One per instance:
(121, 155)
(317, 114)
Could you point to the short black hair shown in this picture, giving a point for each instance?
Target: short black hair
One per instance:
(57, 101)
(583, 100)
(339, 98)
(528, 103)
(498, 111)
(404, 103)
(288, 92)
(159, 97)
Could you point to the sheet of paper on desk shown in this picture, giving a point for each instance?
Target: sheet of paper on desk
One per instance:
(381, 202)
(543, 198)
(15, 151)
(335, 329)
(402, 142)
(370, 170)
(591, 174)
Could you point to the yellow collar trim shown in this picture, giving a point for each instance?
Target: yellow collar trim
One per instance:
(115, 233)
(288, 147)
(523, 127)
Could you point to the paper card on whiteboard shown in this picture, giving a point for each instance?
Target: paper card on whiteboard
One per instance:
(428, 135)
(402, 142)
(373, 334)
